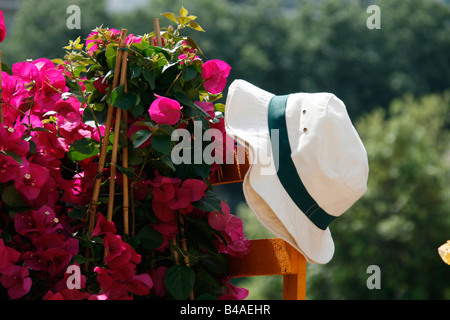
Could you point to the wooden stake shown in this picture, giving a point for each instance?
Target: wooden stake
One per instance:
(184, 246)
(125, 177)
(102, 159)
(101, 163)
(112, 180)
(126, 199)
(157, 32)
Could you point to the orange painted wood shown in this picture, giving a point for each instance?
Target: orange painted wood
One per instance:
(233, 172)
(273, 257)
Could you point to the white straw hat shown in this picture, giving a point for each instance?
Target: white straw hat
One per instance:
(308, 164)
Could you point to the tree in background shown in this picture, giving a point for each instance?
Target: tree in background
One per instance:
(40, 28)
(331, 49)
(281, 45)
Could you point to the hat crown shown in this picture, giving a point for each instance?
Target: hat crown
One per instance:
(326, 150)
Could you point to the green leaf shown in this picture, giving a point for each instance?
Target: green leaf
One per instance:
(6, 68)
(184, 20)
(140, 137)
(183, 12)
(210, 203)
(11, 197)
(168, 162)
(134, 71)
(122, 100)
(111, 53)
(219, 107)
(194, 25)
(179, 281)
(185, 100)
(77, 213)
(90, 115)
(150, 238)
(193, 170)
(135, 157)
(149, 77)
(83, 149)
(162, 143)
(41, 129)
(80, 259)
(129, 172)
(216, 263)
(194, 45)
(171, 16)
(189, 73)
(201, 235)
(12, 155)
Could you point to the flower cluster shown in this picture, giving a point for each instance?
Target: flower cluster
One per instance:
(54, 127)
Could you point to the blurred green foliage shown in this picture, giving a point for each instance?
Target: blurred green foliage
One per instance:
(40, 28)
(393, 82)
(405, 214)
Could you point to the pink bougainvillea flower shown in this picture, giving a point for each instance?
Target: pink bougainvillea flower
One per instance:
(101, 84)
(68, 115)
(140, 284)
(94, 40)
(79, 189)
(103, 226)
(2, 27)
(208, 107)
(196, 188)
(219, 220)
(163, 41)
(158, 276)
(48, 143)
(50, 84)
(164, 188)
(165, 110)
(232, 230)
(142, 189)
(131, 38)
(118, 252)
(56, 260)
(13, 95)
(53, 296)
(27, 71)
(8, 168)
(36, 223)
(17, 282)
(8, 256)
(33, 260)
(176, 195)
(31, 178)
(186, 58)
(215, 73)
(167, 229)
(182, 199)
(11, 139)
(162, 211)
(111, 289)
(233, 292)
(224, 140)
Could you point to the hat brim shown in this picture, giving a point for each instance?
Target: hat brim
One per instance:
(246, 120)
